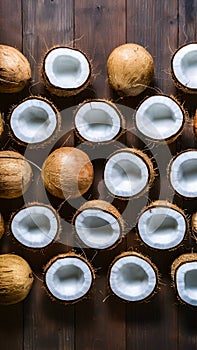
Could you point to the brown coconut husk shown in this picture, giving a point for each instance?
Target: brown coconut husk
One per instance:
(2, 226)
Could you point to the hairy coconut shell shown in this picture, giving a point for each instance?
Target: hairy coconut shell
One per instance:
(130, 69)
(67, 173)
(15, 174)
(2, 227)
(15, 279)
(15, 71)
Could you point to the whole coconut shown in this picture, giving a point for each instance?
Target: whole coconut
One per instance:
(130, 69)
(15, 279)
(67, 172)
(15, 71)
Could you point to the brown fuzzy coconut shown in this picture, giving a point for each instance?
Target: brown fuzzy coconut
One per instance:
(15, 71)
(2, 227)
(130, 69)
(15, 174)
(67, 173)
(16, 279)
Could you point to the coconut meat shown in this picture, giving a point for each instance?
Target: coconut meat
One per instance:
(132, 278)
(184, 65)
(161, 227)
(97, 229)
(186, 282)
(159, 117)
(33, 121)
(35, 226)
(66, 68)
(183, 174)
(126, 174)
(68, 279)
(97, 121)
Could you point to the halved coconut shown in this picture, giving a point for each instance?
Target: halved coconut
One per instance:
(128, 173)
(162, 225)
(183, 173)
(98, 121)
(2, 227)
(68, 277)
(132, 277)
(160, 118)
(66, 71)
(35, 226)
(34, 121)
(184, 275)
(184, 68)
(98, 224)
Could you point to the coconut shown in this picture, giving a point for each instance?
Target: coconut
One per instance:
(133, 277)
(16, 279)
(2, 227)
(15, 71)
(128, 173)
(35, 226)
(184, 276)
(15, 174)
(160, 118)
(130, 69)
(162, 225)
(183, 173)
(184, 68)
(67, 173)
(66, 71)
(98, 224)
(98, 121)
(68, 277)
(34, 121)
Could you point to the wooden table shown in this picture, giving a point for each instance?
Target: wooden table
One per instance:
(100, 322)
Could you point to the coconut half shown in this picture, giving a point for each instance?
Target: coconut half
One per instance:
(66, 71)
(184, 68)
(34, 121)
(2, 226)
(159, 118)
(35, 226)
(128, 173)
(162, 225)
(183, 173)
(68, 277)
(98, 224)
(132, 277)
(98, 121)
(184, 275)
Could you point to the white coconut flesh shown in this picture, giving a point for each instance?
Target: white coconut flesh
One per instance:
(162, 227)
(186, 282)
(35, 226)
(126, 174)
(97, 121)
(66, 68)
(33, 121)
(68, 279)
(97, 229)
(132, 278)
(159, 117)
(184, 65)
(183, 174)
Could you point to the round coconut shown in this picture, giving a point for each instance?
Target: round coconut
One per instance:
(68, 278)
(184, 276)
(15, 71)
(133, 277)
(162, 225)
(98, 224)
(128, 173)
(130, 69)
(16, 279)
(67, 173)
(66, 71)
(34, 122)
(15, 174)
(2, 226)
(98, 121)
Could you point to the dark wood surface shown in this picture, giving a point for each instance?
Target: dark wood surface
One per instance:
(101, 321)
